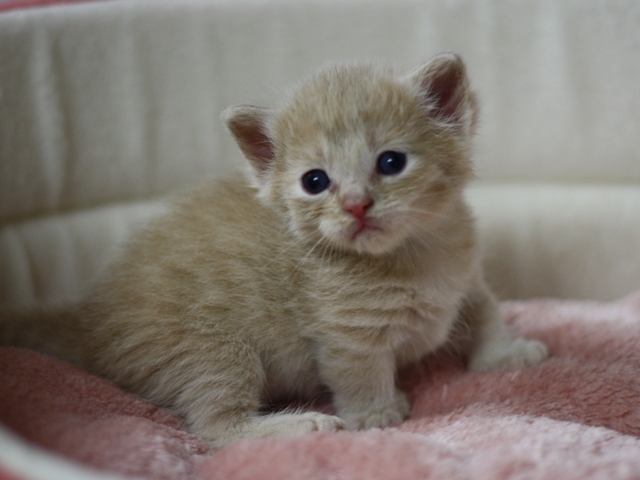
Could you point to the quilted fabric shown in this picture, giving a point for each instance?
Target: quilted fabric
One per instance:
(113, 103)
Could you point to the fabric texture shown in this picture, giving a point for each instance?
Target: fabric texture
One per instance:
(576, 416)
(6, 5)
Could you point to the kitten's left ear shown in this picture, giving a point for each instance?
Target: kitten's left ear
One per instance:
(248, 125)
(444, 86)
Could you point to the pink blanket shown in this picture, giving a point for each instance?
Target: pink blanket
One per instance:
(576, 416)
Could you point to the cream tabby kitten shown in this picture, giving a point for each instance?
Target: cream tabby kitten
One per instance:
(348, 253)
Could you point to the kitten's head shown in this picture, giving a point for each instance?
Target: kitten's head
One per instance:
(361, 159)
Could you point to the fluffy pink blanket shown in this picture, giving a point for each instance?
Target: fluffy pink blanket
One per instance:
(577, 416)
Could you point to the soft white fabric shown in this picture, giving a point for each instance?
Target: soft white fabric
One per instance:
(560, 240)
(104, 106)
(51, 257)
(28, 462)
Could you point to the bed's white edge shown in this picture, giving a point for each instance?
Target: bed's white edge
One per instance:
(32, 463)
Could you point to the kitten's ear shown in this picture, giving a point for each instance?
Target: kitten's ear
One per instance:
(248, 125)
(444, 85)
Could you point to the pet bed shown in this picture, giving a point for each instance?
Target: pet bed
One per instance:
(107, 106)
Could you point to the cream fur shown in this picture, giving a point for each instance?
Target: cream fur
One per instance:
(250, 291)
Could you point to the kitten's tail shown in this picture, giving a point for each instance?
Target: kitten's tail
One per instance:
(56, 331)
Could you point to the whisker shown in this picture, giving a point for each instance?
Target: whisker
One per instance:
(307, 255)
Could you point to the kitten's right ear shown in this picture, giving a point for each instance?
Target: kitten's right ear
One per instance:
(248, 125)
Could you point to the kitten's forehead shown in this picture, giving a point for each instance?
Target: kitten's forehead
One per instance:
(343, 102)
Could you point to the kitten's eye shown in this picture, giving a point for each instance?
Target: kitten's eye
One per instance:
(315, 181)
(391, 163)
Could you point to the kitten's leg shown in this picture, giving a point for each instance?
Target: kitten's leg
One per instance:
(363, 383)
(492, 345)
(220, 400)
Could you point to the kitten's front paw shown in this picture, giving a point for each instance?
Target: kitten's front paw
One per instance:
(232, 429)
(315, 422)
(519, 353)
(378, 416)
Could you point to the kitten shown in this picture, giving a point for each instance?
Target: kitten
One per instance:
(347, 253)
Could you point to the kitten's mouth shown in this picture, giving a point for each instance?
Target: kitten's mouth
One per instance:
(364, 228)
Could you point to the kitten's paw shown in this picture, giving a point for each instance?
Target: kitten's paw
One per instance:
(316, 422)
(378, 416)
(519, 353)
(222, 433)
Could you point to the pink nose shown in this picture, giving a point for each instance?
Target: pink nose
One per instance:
(357, 207)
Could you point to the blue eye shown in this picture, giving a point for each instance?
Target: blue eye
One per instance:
(391, 163)
(315, 181)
